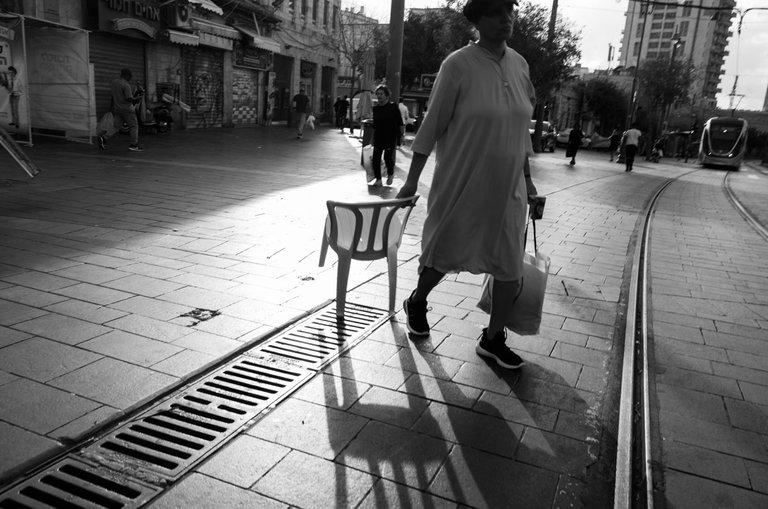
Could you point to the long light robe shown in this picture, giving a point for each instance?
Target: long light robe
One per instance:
(477, 122)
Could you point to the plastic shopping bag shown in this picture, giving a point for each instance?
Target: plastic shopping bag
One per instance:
(106, 122)
(524, 315)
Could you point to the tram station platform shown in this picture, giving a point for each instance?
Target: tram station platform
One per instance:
(124, 277)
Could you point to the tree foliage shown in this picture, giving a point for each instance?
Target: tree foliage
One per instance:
(355, 42)
(429, 38)
(606, 102)
(664, 82)
(549, 66)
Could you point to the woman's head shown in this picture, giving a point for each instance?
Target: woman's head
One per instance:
(476, 9)
(382, 93)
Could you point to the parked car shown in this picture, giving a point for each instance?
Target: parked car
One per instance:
(597, 142)
(548, 135)
(562, 138)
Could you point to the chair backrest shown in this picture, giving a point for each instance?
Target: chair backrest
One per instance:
(367, 229)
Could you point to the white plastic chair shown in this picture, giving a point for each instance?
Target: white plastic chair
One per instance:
(365, 231)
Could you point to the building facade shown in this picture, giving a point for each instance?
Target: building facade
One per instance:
(356, 43)
(697, 30)
(219, 63)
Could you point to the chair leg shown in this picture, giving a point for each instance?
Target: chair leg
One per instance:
(342, 277)
(323, 250)
(392, 264)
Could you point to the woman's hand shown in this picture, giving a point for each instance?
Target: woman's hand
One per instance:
(407, 190)
(530, 187)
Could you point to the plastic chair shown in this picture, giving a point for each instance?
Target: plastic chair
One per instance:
(365, 231)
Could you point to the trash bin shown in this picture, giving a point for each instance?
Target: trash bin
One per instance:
(367, 127)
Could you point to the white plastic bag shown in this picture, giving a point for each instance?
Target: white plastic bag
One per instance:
(106, 122)
(524, 315)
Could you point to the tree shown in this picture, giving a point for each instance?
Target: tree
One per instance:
(427, 39)
(356, 43)
(548, 67)
(550, 62)
(607, 102)
(664, 82)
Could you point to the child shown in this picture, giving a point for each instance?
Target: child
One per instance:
(311, 121)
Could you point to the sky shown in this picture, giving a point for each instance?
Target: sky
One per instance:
(602, 21)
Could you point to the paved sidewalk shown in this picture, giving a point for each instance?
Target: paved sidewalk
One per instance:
(103, 253)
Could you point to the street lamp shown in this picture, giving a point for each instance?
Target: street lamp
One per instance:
(676, 42)
(645, 8)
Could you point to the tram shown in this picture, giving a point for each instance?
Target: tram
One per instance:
(723, 142)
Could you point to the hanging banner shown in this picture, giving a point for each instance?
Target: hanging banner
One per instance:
(58, 81)
(14, 103)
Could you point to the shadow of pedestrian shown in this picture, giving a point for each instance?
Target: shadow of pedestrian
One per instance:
(437, 436)
(508, 450)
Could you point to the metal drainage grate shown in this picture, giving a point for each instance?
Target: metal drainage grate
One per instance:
(171, 437)
(134, 463)
(321, 338)
(74, 484)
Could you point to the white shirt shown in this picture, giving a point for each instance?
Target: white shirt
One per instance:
(632, 136)
(404, 112)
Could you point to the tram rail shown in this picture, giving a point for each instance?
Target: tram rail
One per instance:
(634, 476)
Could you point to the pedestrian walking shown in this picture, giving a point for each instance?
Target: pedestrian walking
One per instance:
(478, 118)
(124, 101)
(614, 141)
(574, 142)
(631, 142)
(386, 131)
(340, 108)
(12, 83)
(405, 114)
(301, 107)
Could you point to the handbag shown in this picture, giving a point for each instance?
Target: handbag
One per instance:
(524, 314)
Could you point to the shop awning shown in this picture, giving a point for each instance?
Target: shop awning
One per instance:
(208, 6)
(259, 41)
(215, 29)
(182, 37)
(215, 34)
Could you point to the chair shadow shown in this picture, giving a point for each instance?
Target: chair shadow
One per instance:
(408, 468)
(465, 433)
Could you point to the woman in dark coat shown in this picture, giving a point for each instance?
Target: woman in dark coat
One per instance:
(574, 143)
(386, 131)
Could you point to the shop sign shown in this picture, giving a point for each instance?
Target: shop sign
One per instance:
(6, 33)
(427, 80)
(134, 18)
(307, 69)
(252, 58)
(344, 81)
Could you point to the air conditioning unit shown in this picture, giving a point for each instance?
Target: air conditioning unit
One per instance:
(177, 14)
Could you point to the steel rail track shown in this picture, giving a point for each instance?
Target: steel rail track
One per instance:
(634, 473)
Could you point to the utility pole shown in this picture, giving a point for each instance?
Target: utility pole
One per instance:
(644, 8)
(395, 56)
(546, 93)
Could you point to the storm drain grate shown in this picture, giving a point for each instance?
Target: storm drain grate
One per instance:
(135, 462)
(322, 337)
(171, 437)
(74, 484)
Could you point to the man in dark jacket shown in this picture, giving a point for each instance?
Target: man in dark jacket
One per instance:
(124, 100)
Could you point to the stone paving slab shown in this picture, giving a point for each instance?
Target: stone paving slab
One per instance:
(713, 389)
(128, 243)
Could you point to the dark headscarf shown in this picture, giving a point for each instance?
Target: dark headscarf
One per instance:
(474, 9)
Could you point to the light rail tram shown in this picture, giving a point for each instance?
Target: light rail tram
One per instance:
(723, 142)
